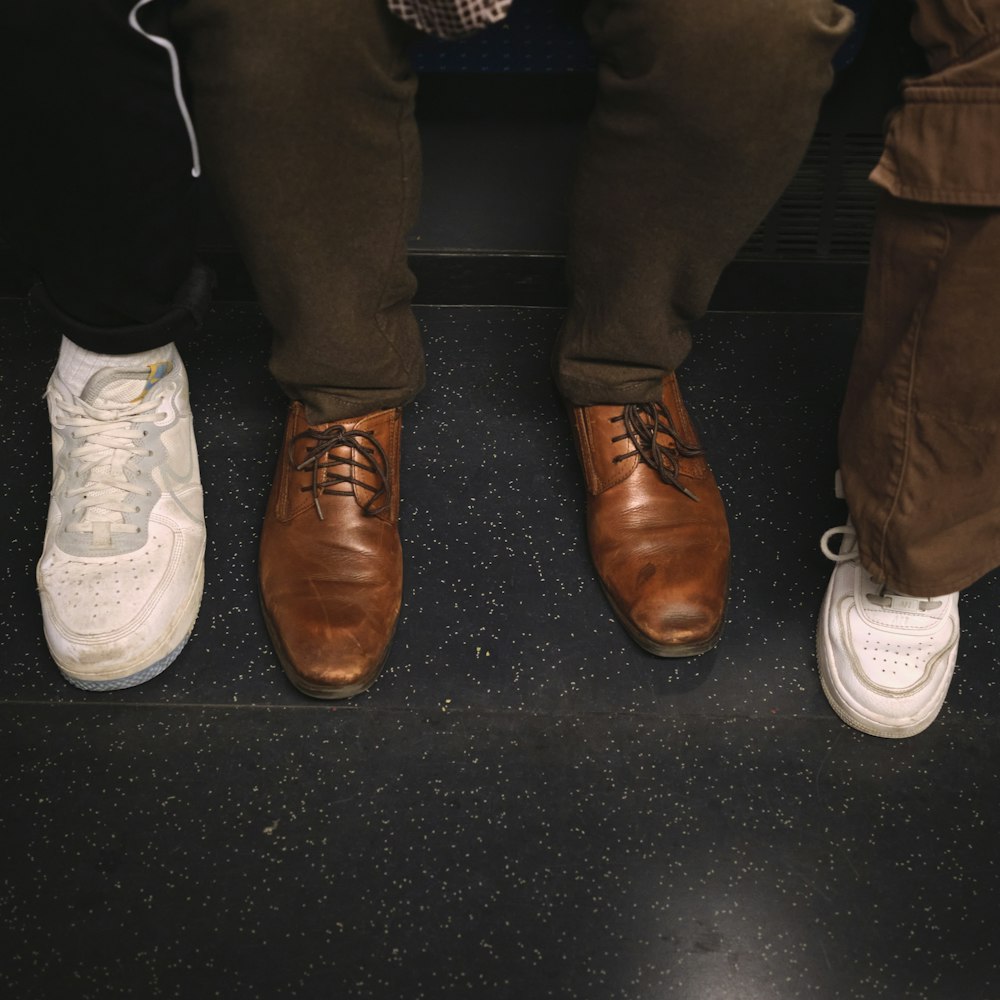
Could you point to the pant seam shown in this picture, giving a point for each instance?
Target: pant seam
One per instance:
(909, 407)
(396, 241)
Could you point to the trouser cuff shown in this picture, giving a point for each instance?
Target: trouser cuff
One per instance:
(185, 316)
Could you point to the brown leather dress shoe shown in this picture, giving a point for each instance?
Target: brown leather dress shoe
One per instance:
(331, 566)
(655, 521)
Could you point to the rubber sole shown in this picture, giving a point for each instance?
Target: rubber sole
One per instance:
(186, 618)
(132, 680)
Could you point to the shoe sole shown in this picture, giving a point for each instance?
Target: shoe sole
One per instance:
(321, 691)
(669, 651)
(187, 617)
(132, 680)
(847, 711)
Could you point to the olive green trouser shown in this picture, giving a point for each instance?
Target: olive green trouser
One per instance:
(920, 427)
(304, 109)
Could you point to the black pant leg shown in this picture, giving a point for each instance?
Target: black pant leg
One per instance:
(96, 185)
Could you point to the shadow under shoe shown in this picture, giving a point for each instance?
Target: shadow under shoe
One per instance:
(331, 565)
(656, 523)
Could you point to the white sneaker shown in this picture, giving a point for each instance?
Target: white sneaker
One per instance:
(122, 569)
(885, 659)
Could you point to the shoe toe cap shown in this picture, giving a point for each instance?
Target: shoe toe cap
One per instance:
(331, 650)
(673, 600)
(679, 622)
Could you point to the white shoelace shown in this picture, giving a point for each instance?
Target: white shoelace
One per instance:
(884, 597)
(110, 438)
(848, 547)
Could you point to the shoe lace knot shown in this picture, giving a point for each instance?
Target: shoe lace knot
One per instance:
(655, 441)
(359, 452)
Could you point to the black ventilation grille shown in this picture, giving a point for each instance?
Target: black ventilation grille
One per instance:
(828, 210)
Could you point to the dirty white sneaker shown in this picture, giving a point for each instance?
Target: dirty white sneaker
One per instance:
(885, 659)
(122, 568)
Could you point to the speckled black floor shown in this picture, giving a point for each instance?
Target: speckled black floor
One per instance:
(525, 805)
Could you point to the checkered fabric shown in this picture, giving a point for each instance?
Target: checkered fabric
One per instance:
(450, 18)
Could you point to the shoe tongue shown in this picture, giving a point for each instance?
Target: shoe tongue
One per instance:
(123, 385)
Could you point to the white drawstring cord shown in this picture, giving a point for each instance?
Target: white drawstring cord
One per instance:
(175, 69)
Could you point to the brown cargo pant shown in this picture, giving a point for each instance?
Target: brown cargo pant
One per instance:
(920, 428)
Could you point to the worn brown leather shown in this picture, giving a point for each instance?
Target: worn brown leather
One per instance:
(662, 556)
(331, 586)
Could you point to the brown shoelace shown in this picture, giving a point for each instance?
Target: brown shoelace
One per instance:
(644, 424)
(324, 466)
